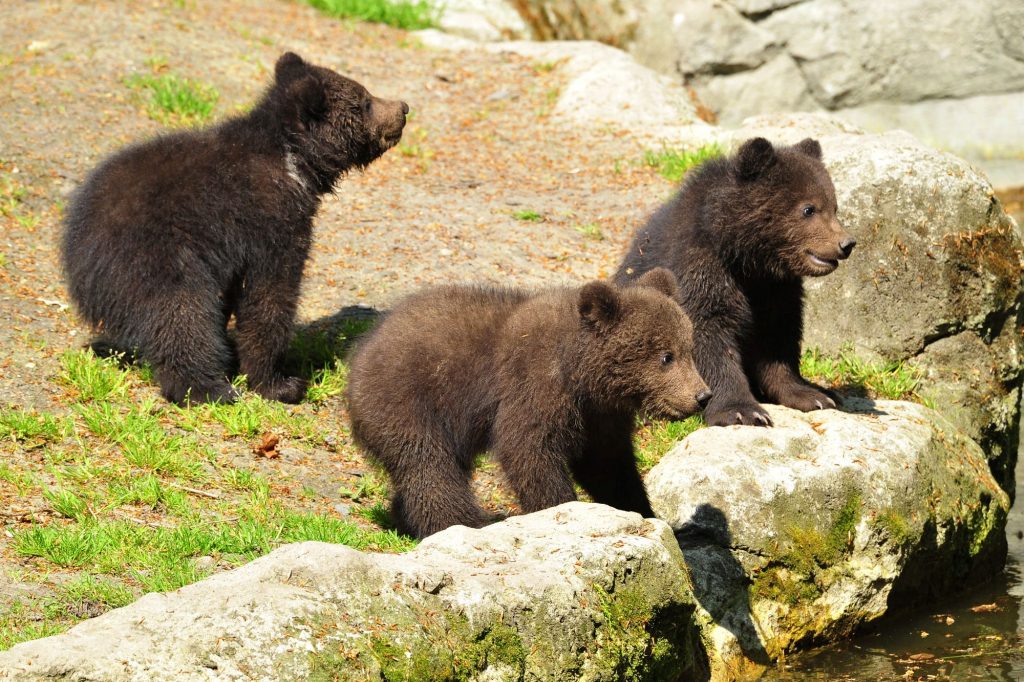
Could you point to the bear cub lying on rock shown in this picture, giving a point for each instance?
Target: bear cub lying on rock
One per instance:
(740, 235)
(550, 383)
(167, 239)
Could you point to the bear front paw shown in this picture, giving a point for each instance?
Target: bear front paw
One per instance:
(809, 398)
(737, 413)
(284, 389)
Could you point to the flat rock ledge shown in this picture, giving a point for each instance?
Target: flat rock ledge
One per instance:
(799, 534)
(776, 539)
(577, 592)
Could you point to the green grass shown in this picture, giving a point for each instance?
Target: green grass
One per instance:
(672, 163)
(528, 215)
(411, 16)
(654, 439)
(31, 427)
(66, 503)
(23, 481)
(158, 555)
(91, 377)
(327, 383)
(591, 231)
(850, 374)
(251, 415)
(123, 493)
(174, 100)
(372, 485)
(12, 195)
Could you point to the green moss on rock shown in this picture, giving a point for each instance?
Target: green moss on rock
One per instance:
(442, 647)
(640, 640)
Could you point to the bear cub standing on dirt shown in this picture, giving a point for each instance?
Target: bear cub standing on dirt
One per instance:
(549, 383)
(740, 235)
(167, 239)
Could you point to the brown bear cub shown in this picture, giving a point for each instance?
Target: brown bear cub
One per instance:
(740, 235)
(167, 239)
(550, 383)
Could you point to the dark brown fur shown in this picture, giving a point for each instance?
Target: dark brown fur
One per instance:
(740, 235)
(550, 383)
(167, 239)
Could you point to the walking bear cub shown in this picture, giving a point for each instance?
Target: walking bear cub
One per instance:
(167, 239)
(740, 235)
(550, 383)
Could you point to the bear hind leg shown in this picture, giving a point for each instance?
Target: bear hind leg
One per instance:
(190, 353)
(432, 497)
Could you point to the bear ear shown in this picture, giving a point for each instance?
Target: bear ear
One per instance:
(660, 279)
(754, 158)
(289, 67)
(309, 99)
(809, 147)
(599, 304)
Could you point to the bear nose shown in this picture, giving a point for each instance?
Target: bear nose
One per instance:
(405, 108)
(846, 246)
(703, 397)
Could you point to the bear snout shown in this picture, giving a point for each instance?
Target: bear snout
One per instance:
(390, 118)
(846, 246)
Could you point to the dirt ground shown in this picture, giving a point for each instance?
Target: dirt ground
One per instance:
(479, 148)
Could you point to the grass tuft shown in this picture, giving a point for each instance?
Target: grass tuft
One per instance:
(176, 101)
(528, 215)
(91, 377)
(411, 16)
(673, 164)
(33, 428)
(847, 372)
(66, 503)
(655, 439)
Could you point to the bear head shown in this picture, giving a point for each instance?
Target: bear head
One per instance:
(638, 348)
(331, 121)
(787, 210)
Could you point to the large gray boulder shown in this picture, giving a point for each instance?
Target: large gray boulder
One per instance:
(882, 64)
(935, 280)
(802, 533)
(480, 19)
(579, 591)
(858, 51)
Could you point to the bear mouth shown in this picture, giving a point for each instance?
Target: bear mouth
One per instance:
(389, 140)
(823, 265)
(662, 410)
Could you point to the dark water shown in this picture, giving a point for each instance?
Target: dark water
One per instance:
(978, 635)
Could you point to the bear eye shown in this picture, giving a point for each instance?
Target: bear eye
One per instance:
(809, 211)
(367, 105)
(667, 359)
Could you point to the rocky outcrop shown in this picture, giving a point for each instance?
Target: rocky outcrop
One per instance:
(881, 65)
(575, 592)
(801, 533)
